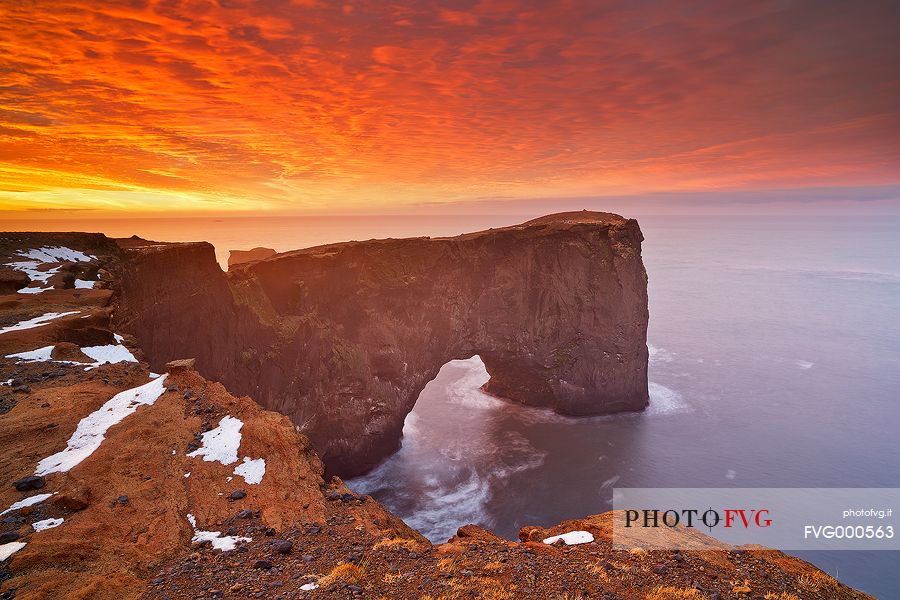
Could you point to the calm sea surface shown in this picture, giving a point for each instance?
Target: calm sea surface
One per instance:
(775, 362)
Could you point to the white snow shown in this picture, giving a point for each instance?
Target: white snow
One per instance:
(30, 268)
(47, 255)
(53, 254)
(7, 382)
(153, 375)
(39, 355)
(37, 321)
(102, 355)
(218, 541)
(252, 470)
(83, 284)
(572, 538)
(46, 524)
(188, 474)
(307, 587)
(7, 550)
(118, 338)
(34, 290)
(221, 444)
(91, 430)
(29, 501)
(109, 354)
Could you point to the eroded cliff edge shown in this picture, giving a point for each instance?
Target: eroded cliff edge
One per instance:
(342, 338)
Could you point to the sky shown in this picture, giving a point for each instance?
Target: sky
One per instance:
(321, 107)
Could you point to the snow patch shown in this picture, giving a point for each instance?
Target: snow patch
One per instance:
(39, 355)
(29, 501)
(47, 255)
(91, 430)
(221, 444)
(571, 538)
(252, 470)
(118, 338)
(83, 284)
(46, 524)
(109, 354)
(102, 355)
(7, 550)
(53, 254)
(30, 268)
(308, 587)
(37, 321)
(218, 541)
(34, 290)
(188, 474)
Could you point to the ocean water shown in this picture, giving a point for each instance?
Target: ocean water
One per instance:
(775, 362)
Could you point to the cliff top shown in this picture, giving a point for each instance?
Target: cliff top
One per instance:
(541, 226)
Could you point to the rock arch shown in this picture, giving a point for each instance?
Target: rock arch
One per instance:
(342, 338)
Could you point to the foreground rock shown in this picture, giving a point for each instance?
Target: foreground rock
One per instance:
(342, 338)
(145, 505)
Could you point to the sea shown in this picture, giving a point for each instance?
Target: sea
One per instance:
(774, 362)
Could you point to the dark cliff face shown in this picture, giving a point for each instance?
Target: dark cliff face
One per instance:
(342, 338)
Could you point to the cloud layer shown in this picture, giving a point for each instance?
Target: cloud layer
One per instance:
(307, 105)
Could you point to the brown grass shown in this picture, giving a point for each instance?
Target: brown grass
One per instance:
(780, 596)
(672, 593)
(493, 566)
(448, 564)
(818, 582)
(345, 572)
(397, 542)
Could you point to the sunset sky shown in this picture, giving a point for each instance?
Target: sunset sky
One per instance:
(320, 107)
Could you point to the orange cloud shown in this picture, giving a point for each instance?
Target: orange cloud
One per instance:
(277, 105)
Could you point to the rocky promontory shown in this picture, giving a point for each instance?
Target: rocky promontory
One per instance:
(343, 337)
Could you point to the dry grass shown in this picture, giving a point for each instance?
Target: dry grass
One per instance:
(397, 542)
(493, 566)
(448, 564)
(344, 572)
(741, 588)
(672, 593)
(392, 578)
(780, 596)
(819, 582)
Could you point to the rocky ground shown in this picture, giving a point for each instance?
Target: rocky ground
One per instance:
(145, 485)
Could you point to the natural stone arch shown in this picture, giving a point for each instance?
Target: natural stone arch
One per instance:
(343, 338)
